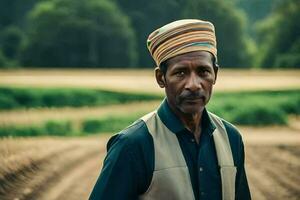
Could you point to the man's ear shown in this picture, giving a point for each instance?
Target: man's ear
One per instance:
(160, 78)
(216, 69)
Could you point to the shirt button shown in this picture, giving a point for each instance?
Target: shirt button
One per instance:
(202, 193)
(192, 140)
(200, 169)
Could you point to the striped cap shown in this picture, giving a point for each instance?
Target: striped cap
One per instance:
(181, 37)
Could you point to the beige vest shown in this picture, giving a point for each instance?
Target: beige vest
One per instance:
(171, 179)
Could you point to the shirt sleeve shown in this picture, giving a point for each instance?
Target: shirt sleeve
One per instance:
(242, 187)
(119, 177)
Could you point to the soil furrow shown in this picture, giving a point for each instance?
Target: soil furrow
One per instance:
(281, 167)
(78, 177)
(31, 181)
(14, 177)
(261, 182)
(60, 167)
(283, 180)
(272, 167)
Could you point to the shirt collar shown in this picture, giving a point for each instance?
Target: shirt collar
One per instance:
(170, 120)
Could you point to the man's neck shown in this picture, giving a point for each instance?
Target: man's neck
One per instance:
(191, 122)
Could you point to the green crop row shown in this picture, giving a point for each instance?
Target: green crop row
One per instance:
(17, 98)
(108, 124)
(241, 108)
(257, 108)
(50, 128)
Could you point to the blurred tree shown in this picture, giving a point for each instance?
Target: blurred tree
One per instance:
(279, 36)
(6, 12)
(257, 9)
(12, 21)
(13, 12)
(290, 58)
(76, 33)
(233, 44)
(3, 60)
(10, 41)
(89, 33)
(147, 16)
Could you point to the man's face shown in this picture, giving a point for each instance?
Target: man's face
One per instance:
(188, 81)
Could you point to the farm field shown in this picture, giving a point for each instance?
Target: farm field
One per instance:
(60, 168)
(53, 168)
(36, 116)
(143, 80)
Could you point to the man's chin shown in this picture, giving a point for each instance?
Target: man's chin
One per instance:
(191, 108)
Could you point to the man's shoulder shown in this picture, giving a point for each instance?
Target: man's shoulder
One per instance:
(232, 131)
(134, 135)
(236, 141)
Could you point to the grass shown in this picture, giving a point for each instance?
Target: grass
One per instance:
(241, 108)
(109, 123)
(49, 128)
(19, 98)
(257, 108)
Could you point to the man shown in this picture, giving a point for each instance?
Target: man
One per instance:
(181, 151)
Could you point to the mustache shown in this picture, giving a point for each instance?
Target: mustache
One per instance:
(188, 95)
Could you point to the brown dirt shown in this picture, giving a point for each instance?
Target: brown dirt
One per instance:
(70, 168)
(272, 163)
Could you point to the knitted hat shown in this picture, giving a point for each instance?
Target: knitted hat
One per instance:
(181, 37)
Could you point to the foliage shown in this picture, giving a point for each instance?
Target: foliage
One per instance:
(76, 33)
(256, 10)
(12, 29)
(3, 60)
(52, 128)
(10, 41)
(232, 43)
(16, 98)
(290, 58)
(109, 123)
(279, 35)
(241, 108)
(257, 108)
(103, 33)
(233, 47)
(260, 115)
(146, 16)
(16, 131)
(67, 128)
(13, 12)
(58, 128)
(91, 125)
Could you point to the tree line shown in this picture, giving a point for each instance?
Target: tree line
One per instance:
(113, 33)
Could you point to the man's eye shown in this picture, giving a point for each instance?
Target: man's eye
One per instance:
(180, 73)
(204, 72)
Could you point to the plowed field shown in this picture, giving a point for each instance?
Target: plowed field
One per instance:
(67, 168)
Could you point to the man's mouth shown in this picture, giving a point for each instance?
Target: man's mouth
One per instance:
(194, 100)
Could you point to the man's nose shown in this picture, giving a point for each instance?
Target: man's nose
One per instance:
(193, 83)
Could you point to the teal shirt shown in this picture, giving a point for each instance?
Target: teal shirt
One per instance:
(128, 166)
